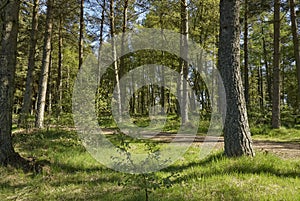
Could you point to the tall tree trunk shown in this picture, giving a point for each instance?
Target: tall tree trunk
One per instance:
(8, 54)
(81, 29)
(101, 38)
(124, 28)
(276, 68)
(143, 101)
(162, 73)
(237, 138)
(152, 98)
(282, 85)
(122, 69)
(49, 84)
(260, 88)
(296, 45)
(59, 70)
(162, 89)
(183, 62)
(114, 56)
(246, 69)
(99, 50)
(31, 64)
(133, 99)
(138, 109)
(39, 121)
(268, 70)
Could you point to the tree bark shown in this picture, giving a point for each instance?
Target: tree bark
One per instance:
(246, 69)
(101, 38)
(7, 75)
(124, 28)
(99, 50)
(133, 99)
(183, 62)
(237, 138)
(8, 54)
(276, 68)
(114, 56)
(39, 121)
(49, 84)
(260, 88)
(31, 64)
(81, 29)
(59, 70)
(296, 45)
(122, 69)
(268, 70)
(162, 73)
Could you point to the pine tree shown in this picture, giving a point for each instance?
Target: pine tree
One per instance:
(237, 137)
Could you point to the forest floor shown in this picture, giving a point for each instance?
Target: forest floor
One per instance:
(69, 172)
(285, 149)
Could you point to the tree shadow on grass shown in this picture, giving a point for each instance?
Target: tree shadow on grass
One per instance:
(91, 180)
(69, 168)
(9, 186)
(213, 165)
(206, 161)
(209, 167)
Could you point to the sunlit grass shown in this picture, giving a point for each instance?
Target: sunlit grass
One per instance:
(70, 173)
(171, 124)
(281, 134)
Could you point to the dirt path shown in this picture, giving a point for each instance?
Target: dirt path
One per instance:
(286, 150)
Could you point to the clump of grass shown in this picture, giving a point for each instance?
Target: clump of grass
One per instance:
(72, 174)
(281, 134)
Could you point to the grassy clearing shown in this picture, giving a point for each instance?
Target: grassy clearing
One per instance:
(70, 173)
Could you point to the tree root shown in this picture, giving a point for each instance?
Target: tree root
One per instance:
(27, 165)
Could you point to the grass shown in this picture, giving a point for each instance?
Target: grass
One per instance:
(282, 134)
(70, 173)
(172, 123)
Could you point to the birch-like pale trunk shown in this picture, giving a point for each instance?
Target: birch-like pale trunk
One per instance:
(114, 56)
(183, 63)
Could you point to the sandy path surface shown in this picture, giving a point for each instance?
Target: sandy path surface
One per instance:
(286, 150)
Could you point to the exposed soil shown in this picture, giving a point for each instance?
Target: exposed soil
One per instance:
(285, 150)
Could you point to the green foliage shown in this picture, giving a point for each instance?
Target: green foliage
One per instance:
(289, 118)
(260, 24)
(203, 29)
(172, 122)
(146, 182)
